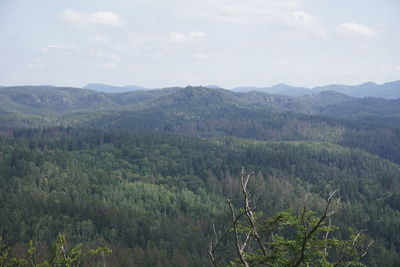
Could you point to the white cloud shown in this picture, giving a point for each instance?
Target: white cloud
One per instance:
(120, 48)
(177, 37)
(355, 29)
(59, 47)
(200, 56)
(114, 57)
(306, 24)
(196, 34)
(86, 19)
(35, 65)
(284, 14)
(303, 18)
(102, 55)
(140, 39)
(106, 18)
(99, 38)
(207, 56)
(159, 55)
(280, 62)
(236, 11)
(109, 66)
(72, 16)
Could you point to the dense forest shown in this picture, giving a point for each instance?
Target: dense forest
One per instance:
(147, 173)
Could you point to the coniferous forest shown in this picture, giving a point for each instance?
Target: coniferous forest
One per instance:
(147, 173)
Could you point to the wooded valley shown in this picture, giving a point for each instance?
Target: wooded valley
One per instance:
(147, 173)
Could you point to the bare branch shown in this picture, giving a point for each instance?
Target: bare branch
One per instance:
(366, 249)
(245, 241)
(326, 239)
(248, 210)
(213, 247)
(212, 256)
(357, 236)
(235, 230)
(353, 250)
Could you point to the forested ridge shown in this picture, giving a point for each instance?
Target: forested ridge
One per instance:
(147, 173)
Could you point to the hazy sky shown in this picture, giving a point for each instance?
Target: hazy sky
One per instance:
(159, 43)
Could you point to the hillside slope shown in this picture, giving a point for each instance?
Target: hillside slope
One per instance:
(162, 193)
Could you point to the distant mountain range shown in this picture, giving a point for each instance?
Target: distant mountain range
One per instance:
(106, 88)
(389, 90)
(369, 89)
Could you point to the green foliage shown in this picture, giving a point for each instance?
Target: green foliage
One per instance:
(60, 255)
(286, 239)
(161, 193)
(7, 260)
(286, 234)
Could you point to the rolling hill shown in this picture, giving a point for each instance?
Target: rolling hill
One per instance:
(148, 171)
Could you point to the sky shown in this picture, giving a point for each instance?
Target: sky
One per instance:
(230, 43)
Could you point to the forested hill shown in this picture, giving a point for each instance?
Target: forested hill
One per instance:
(160, 194)
(58, 100)
(371, 124)
(147, 172)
